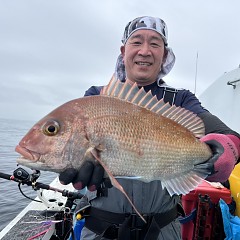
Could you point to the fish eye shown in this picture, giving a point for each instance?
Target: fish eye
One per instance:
(51, 128)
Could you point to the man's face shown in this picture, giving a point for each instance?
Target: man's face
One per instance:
(143, 55)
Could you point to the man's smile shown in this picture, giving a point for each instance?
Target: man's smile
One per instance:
(143, 63)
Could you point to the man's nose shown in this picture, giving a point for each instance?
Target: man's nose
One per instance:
(144, 50)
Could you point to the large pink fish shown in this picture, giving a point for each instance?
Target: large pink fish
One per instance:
(128, 131)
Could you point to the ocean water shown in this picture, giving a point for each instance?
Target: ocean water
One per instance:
(11, 200)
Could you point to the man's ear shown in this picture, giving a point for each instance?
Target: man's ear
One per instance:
(122, 49)
(165, 55)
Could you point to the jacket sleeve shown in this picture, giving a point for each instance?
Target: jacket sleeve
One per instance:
(214, 125)
(93, 90)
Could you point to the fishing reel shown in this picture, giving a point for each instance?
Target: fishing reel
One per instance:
(24, 177)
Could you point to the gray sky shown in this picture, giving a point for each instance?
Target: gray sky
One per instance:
(51, 51)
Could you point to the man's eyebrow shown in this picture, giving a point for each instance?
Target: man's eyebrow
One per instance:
(137, 36)
(157, 38)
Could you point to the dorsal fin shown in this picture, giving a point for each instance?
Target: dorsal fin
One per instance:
(131, 93)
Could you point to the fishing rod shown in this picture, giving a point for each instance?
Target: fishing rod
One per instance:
(63, 218)
(21, 176)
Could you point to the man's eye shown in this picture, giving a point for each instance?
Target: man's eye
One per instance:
(155, 45)
(136, 43)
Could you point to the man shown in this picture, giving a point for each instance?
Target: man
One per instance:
(145, 59)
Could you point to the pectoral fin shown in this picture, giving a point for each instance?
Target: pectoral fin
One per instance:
(114, 182)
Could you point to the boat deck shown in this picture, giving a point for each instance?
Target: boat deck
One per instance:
(33, 225)
(32, 220)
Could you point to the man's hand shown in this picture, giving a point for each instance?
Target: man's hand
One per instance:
(225, 149)
(90, 175)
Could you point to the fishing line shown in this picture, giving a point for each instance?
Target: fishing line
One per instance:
(19, 187)
(37, 228)
(68, 234)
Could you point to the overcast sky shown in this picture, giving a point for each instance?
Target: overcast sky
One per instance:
(51, 51)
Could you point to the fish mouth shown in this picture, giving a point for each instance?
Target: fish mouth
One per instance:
(28, 158)
(29, 163)
(27, 154)
(31, 160)
(36, 165)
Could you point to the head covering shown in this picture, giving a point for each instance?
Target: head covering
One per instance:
(149, 23)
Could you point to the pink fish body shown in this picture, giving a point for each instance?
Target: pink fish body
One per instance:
(131, 133)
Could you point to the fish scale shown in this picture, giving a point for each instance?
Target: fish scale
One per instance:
(149, 134)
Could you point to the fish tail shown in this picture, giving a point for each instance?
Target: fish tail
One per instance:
(187, 182)
(115, 183)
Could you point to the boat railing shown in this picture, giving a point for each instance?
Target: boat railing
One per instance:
(233, 83)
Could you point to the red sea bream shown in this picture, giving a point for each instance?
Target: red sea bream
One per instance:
(128, 131)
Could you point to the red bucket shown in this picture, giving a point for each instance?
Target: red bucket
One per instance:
(192, 207)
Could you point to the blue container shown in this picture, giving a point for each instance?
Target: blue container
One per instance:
(77, 229)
